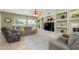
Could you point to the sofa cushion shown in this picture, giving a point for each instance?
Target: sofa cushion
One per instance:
(72, 39)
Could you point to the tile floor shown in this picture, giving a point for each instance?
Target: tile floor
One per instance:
(39, 41)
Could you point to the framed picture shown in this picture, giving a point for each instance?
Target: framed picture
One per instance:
(8, 20)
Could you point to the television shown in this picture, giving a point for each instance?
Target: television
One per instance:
(49, 26)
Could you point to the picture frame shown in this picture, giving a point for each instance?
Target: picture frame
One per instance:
(7, 20)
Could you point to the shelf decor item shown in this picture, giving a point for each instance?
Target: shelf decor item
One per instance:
(49, 18)
(61, 24)
(62, 31)
(42, 19)
(62, 17)
(38, 21)
(75, 15)
(8, 20)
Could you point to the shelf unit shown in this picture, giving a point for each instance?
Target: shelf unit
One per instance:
(67, 22)
(61, 22)
(73, 23)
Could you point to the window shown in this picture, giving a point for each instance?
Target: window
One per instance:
(20, 23)
(31, 23)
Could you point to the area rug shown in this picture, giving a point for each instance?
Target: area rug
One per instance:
(38, 41)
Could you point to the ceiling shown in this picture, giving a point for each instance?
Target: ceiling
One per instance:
(27, 11)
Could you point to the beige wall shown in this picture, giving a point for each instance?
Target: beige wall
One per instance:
(13, 18)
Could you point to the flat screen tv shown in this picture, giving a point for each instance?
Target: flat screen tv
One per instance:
(49, 26)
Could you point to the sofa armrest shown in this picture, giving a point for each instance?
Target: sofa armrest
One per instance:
(56, 45)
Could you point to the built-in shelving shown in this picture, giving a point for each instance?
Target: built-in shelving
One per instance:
(61, 22)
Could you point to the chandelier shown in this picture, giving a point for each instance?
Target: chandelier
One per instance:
(36, 13)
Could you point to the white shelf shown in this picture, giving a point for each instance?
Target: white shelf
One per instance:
(61, 20)
(61, 26)
(49, 21)
(74, 19)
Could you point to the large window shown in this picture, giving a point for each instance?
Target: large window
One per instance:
(31, 23)
(20, 23)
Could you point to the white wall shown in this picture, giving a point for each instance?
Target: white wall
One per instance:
(45, 13)
(54, 12)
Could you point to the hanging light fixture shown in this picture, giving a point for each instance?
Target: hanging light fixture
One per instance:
(36, 13)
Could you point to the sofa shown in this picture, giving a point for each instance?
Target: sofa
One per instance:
(11, 35)
(28, 31)
(72, 43)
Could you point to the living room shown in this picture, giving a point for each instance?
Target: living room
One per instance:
(39, 29)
